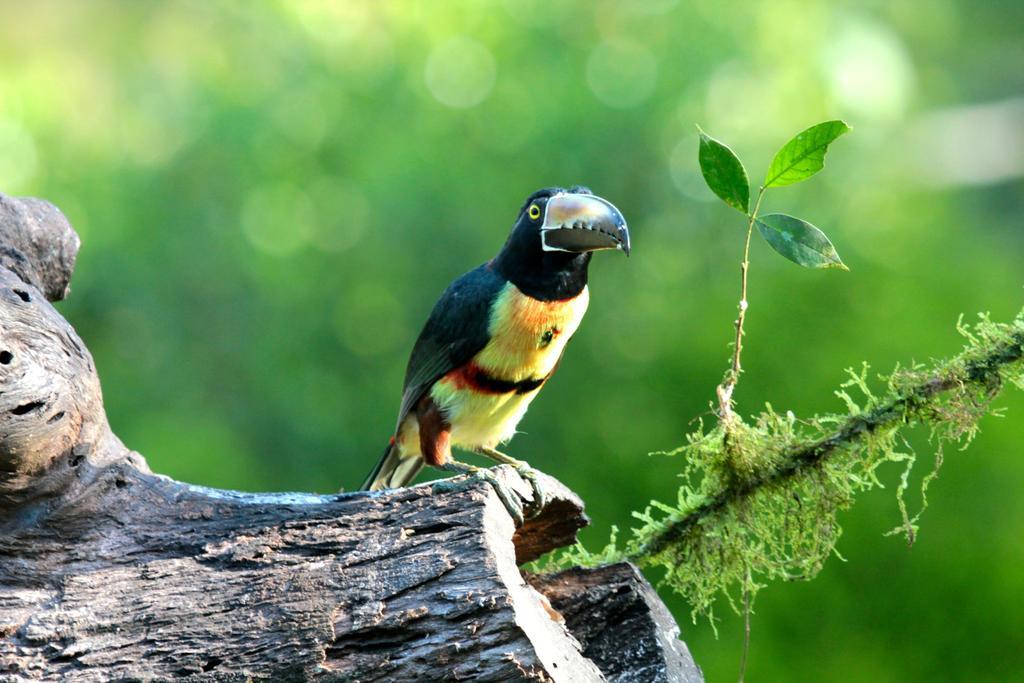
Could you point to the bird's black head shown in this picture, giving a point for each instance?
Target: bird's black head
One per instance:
(557, 229)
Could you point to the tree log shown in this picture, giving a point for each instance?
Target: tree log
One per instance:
(108, 571)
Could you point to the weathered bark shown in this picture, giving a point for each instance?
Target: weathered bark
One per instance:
(623, 626)
(108, 571)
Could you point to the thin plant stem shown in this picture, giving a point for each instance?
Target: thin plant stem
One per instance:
(732, 376)
(746, 628)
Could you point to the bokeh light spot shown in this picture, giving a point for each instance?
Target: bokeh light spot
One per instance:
(331, 22)
(732, 88)
(369, 320)
(151, 137)
(343, 212)
(301, 118)
(460, 73)
(278, 219)
(869, 70)
(685, 170)
(621, 74)
(979, 144)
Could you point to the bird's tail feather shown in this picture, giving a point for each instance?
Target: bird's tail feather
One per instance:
(392, 470)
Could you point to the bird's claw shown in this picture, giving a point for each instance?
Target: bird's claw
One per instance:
(540, 497)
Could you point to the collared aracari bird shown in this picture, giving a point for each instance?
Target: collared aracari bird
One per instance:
(496, 336)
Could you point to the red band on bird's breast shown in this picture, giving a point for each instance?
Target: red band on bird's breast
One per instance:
(474, 378)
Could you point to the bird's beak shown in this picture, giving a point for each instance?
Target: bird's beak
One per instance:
(583, 222)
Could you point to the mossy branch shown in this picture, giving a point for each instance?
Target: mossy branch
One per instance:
(762, 503)
(904, 408)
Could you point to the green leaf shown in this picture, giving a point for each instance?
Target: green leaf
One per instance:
(799, 241)
(804, 155)
(723, 172)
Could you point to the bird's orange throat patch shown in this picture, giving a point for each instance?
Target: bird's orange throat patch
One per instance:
(528, 335)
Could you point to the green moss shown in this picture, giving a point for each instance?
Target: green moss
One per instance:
(759, 499)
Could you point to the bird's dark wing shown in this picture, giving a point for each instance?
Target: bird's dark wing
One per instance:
(456, 330)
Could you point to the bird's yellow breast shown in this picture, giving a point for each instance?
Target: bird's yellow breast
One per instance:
(528, 335)
(527, 338)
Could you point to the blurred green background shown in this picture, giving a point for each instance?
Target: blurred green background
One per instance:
(272, 195)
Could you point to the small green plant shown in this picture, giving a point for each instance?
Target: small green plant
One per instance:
(792, 237)
(759, 500)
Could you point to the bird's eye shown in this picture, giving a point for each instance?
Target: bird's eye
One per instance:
(534, 212)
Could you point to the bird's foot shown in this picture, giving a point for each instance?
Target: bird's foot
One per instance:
(540, 497)
(508, 497)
